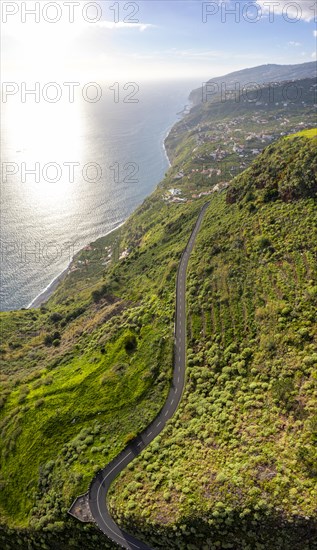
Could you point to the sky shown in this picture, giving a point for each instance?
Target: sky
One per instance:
(152, 39)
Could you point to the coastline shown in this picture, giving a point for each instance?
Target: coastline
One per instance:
(49, 290)
(180, 116)
(45, 294)
(164, 140)
(164, 148)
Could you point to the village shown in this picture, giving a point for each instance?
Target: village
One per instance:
(219, 150)
(104, 256)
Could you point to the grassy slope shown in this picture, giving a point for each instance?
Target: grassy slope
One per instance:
(286, 171)
(66, 405)
(311, 133)
(237, 466)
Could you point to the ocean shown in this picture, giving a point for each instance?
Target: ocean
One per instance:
(74, 171)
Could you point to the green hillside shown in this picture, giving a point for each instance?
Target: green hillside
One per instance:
(260, 75)
(84, 373)
(287, 170)
(237, 466)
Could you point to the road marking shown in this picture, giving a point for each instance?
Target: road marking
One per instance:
(178, 380)
(108, 474)
(158, 424)
(172, 401)
(181, 297)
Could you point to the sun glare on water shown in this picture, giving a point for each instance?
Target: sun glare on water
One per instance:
(43, 140)
(36, 131)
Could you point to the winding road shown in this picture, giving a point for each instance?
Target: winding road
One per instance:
(104, 478)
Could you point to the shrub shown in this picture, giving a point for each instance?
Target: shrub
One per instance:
(130, 343)
(99, 293)
(263, 242)
(56, 317)
(74, 314)
(50, 338)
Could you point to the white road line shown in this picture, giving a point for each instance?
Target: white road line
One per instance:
(104, 479)
(181, 298)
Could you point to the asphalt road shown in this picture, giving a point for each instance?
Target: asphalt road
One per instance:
(104, 478)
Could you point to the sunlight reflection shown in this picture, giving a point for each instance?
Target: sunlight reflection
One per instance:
(42, 133)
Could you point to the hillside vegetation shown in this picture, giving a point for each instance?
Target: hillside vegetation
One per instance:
(83, 374)
(261, 75)
(287, 170)
(236, 467)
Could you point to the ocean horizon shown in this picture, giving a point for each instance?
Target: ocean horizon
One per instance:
(108, 157)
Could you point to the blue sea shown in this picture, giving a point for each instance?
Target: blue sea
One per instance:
(73, 171)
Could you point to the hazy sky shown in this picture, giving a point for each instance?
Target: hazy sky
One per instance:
(153, 38)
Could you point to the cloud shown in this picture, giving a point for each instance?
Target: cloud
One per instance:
(305, 10)
(111, 25)
(315, 34)
(295, 44)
